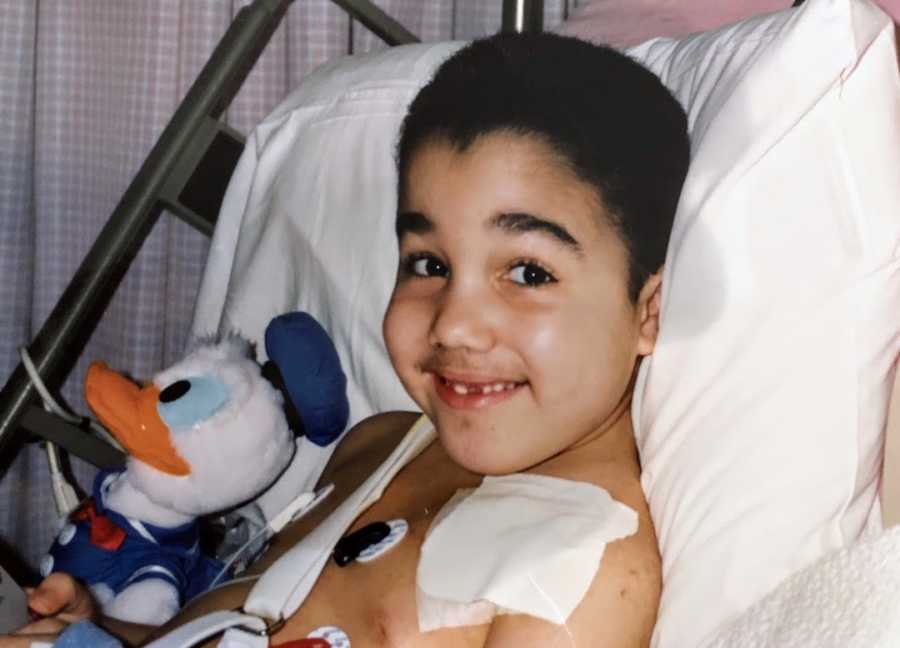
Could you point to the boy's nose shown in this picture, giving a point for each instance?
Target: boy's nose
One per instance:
(463, 319)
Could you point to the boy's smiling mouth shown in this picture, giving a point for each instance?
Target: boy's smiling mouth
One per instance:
(471, 392)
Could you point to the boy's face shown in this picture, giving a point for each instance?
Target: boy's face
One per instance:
(510, 324)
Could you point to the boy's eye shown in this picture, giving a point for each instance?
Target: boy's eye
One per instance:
(530, 274)
(426, 266)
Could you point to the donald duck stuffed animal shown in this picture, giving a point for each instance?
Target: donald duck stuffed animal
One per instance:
(205, 435)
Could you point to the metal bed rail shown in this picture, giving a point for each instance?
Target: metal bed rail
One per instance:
(195, 146)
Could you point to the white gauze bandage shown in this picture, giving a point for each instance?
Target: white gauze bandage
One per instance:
(518, 544)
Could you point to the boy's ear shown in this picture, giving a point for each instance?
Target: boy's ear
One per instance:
(648, 306)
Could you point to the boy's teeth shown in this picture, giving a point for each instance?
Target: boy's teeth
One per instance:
(462, 389)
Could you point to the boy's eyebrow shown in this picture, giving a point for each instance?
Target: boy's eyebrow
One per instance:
(413, 222)
(418, 223)
(520, 222)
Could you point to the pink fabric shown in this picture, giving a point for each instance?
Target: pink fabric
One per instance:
(623, 24)
(892, 7)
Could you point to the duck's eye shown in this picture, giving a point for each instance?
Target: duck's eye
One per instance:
(174, 391)
(192, 400)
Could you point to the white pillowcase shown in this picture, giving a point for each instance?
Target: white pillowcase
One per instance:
(760, 415)
(308, 219)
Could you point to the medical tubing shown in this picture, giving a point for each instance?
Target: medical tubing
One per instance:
(54, 407)
(320, 496)
(234, 556)
(64, 496)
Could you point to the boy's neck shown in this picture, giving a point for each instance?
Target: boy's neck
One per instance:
(612, 444)
(615, 434)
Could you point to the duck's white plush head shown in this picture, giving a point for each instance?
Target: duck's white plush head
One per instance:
(206, 434)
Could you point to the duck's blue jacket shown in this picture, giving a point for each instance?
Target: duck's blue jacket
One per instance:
(100, 546)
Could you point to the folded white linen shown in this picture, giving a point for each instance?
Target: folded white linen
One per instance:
(848, 599)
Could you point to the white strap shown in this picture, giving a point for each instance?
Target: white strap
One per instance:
(238, 638)
(210, 625)
(890, 477)
(284, 586)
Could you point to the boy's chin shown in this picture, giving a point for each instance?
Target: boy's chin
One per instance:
(481, 458)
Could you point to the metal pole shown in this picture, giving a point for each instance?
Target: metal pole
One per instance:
(74, 317)
(377, 21)
(523, 15)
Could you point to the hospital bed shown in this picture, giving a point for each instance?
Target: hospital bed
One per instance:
(728, 159)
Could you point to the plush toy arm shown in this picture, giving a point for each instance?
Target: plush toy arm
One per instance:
(151, 602)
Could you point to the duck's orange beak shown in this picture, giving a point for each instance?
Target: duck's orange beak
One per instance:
(130, 414)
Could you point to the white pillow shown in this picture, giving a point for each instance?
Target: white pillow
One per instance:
(307, 222)
(760, 415)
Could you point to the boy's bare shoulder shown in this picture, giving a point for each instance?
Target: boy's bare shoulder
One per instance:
(369, 442)
(619, 609)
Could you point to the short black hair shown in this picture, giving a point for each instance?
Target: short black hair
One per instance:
(610, 119)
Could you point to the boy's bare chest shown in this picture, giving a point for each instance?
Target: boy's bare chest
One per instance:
(375, 602)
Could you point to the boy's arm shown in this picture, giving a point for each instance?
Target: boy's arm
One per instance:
(131, 634)
(61, 601)
(618, 611)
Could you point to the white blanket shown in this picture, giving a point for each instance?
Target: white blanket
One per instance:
(848, 599)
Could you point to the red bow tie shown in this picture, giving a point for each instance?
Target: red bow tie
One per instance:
(104, 532)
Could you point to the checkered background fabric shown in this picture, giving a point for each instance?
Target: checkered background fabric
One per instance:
(86, 86)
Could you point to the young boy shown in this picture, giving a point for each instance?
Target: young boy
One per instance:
(538, 181)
